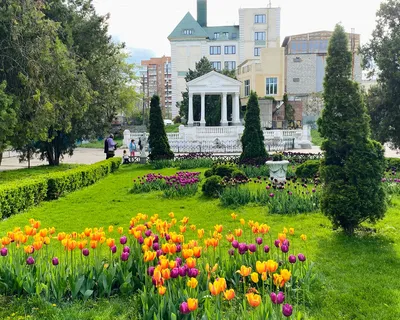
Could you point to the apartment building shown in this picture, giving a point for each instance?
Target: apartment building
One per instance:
(225, 46)
(156, 79)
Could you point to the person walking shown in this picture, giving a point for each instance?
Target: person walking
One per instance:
(110, 146)
(132, 147)
(140, 145)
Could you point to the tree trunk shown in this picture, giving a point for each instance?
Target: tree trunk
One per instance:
(1, 157)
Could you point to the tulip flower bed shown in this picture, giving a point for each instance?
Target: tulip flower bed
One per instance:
(290, 197)
(181, 184)
(178, 268)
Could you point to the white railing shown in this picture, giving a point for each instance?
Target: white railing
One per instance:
(216, 130)
(173, 136)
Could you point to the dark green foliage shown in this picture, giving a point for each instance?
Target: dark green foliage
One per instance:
(17, 196)
(253, 139)
(255, 171)
(235, 196)
(212, 187)
(208, 173)
(353, 165)
(381, 57)
(308, 169)
(238, 175)
(393, 163)
(158, 141)
(224, 170)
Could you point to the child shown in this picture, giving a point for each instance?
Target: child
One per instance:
(132, 148)
(125, 158)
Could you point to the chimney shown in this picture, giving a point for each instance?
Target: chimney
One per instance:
(202, 12)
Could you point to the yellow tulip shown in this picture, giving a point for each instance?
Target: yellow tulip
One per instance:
(253, 299)
(244, 271)
(192, 283)
(254, 277)
(229, 294)
(192, 304)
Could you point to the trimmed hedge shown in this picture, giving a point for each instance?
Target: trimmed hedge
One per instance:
(308, 169)
(20, 195)
(393, 163)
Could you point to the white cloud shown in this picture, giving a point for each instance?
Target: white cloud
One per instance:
(147, 24)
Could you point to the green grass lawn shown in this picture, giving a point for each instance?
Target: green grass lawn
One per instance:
(172, 128)
(316, 138)
(11, 175)
(357, 277)
(99, 144)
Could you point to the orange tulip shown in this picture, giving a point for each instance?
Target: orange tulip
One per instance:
(93, 244)
(28, 249)
(285, 231)
(261, 267)
(5, 241)
(191, 262)
(110, 229)
(272, 266)
(43, 232)
(193, 227)
(185, 220)
(148, 241)
(37, 245)
(120, 230)
(242, 222)
(192, 304)
(71, 244)
(264, 276)
(286, 274)
(87, 232)
(229, 294)
(164, 263)
(200, 233)
(52, 230)
(149, 256)
(29, 231)
(157, 276)
(197, 252)
(187, 253)
(230, 237)
(162, 290)
(182, 229)
(303, 237)
(238, 232)
(278, 280)
(291, 231)
(218, 228)
(166, 274)
(172, 264)
(253, 299)
(192, 283)
(217, 287)
(110, 242)
(234, 216)
(36, 224)
(82, 244)
(282, 237)
(244, 271)
(171, 215)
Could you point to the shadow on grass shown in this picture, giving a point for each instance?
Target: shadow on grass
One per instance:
(359, 278)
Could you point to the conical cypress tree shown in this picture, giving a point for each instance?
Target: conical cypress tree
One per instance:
(353, 165)
(158, 140)
(253, 138)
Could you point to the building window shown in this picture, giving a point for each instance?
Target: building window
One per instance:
(225, 35)
(296, 79)
(246, 88)
(214, 50)
(188, 31)
(216, 65)
(260, 18)
(271, 86)
(230, 49)
(257, 52)
(234, 35)
(297, 59)
(216, 35)
(230, 65)
(259, 36)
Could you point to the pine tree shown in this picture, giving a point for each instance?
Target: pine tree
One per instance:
(158, 140)
(253, 138)
(353, 164)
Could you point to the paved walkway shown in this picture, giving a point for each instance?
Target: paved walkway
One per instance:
(89, 156)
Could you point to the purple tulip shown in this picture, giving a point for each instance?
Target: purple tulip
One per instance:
(178, 261)
(266, 249)
(123, 240)
(124, 256)
(175, 273)
(231, 252)
(287, 310)
(252, 247)
(150, 271)
(292, 259)
(290, 193)
(313, 190)
(301, 257)
(274, 298)
(156, 239)
(147, 233)
(259, 240)
(277, 243)
(193, 273)
(126, 249)
(156, 246)
(184, 308)
(284, 248)
(113, 249)
(3, 252)
(267, 187)
(141, 240)
(30, 260)
(280, 297)
(286, 242)
(235, 244)
(178, 248)
(243, 247)
(182, 271)
(271, 195)
(85, 252)
(159, 252)
(167, 237)
(54, 261)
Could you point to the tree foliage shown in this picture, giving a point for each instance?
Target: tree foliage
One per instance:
(212, 103)
(253, 138)
(158, 140)
(353, 164)
(382, 52)
(64, 72)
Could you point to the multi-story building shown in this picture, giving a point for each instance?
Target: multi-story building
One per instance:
(305, 56)
(225, 46)
(156, 79)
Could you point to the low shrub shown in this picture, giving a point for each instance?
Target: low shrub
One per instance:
(223, 170)
(235, 196)
(238, 175)
(393, 164)
(208, 173)
(212, 187)
(308, 169)
(161, 164)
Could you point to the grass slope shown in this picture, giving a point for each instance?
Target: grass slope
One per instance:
(357, 277)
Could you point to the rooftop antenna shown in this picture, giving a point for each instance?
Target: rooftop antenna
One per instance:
(270, 4)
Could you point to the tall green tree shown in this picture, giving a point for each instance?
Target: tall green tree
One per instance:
(253, 138)
(8, 118)
(158, 140)
(381, 54)
(213, 103)
(353, 164)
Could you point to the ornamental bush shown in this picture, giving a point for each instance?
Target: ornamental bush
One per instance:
(353, 166)
(158, 141)
(212, 187)
(253, 138)
(308, 169)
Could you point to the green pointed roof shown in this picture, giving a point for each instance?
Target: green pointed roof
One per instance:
(188, 23)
